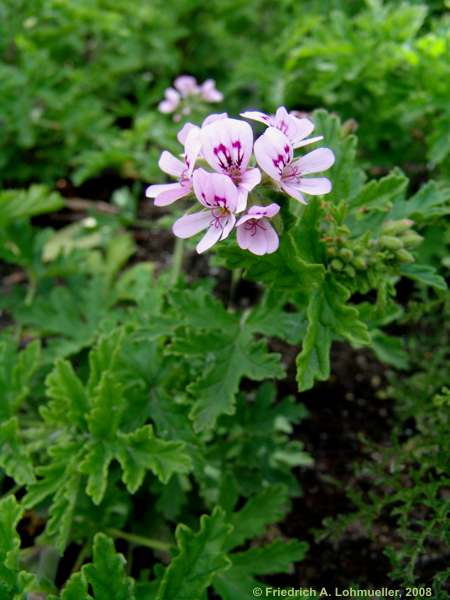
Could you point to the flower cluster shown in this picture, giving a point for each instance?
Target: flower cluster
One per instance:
(183, 98)
(226, 192)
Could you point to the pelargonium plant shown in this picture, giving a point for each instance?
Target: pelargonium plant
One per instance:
(218, 169)
(187, 95)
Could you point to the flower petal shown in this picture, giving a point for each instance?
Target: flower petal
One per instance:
(273, 151)
(189, 225)
(215, 189)
(186, 84)
(301, 143)
(154, 190)
(192, 149)
(293, 191)
(255, 115)
(316, 186)
(209, 92)
(250, 179)
(185, 130)
(219, 230)
(170, 164)
(170, 196)
(315, 161)
(301, 128)
(227, 143)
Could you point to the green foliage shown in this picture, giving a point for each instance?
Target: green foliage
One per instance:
(159, 410)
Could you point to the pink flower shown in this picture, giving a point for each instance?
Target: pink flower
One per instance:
(188, 127)
(171, 101)
(209, 92)
(293, 128)
(255, 233)
(168, 193)
(275, 155)
(186, 85)
(227, 147)
(219, 196)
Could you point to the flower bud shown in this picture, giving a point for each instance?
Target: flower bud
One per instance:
(346, 254)
(336, 264)
(359, 263)
(412, 239)
(404, 256)
(350, 271)
(391, 243)
(395, 227)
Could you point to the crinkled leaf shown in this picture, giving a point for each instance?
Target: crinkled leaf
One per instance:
(14, 457)
(201, 556)
(425, 274)
(67, 403)
(328, 317)
(106, 573)
(269, 506)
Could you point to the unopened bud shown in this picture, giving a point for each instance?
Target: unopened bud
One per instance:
(412, 239)
(404, 256)
(336, 264)
(360, 263)
(331, 250)
(391, 243)
(350, 271)
(346, 254)
(396, 227)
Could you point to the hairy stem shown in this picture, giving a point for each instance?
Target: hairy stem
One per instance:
(139, 540)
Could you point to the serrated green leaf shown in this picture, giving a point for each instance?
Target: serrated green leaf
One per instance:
(431, 201)
(10, 515)
(76, 588)
(201, 556)
(277, 557)
(345, 176)
(328, 317)
(106, 574)
(23, 204)
(108, 404)
(14, 457)
(16, 372)
(68, 403)
(425, 274)
(268, 507)
(141, 451)
(95, 465)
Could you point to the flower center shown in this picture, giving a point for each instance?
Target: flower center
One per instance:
(253, 225)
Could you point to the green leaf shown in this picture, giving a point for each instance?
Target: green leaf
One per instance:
(76, 588)
(425, 274)
(10, 515)
(23, 204)
(328, 317)
(16, 373)
(106, 574)
(268, 507)
(95, 465)
(345, 176)
(275, 558)
(67, 403)
(201, 556)
(14, 457)
(108, 405)
(227, 352)
(141, 451)
(58, 480)
(430, 202)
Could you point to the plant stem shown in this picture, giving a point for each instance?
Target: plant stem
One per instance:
(84, 553)
(177, 260)
(235, 278)
(139, 540)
